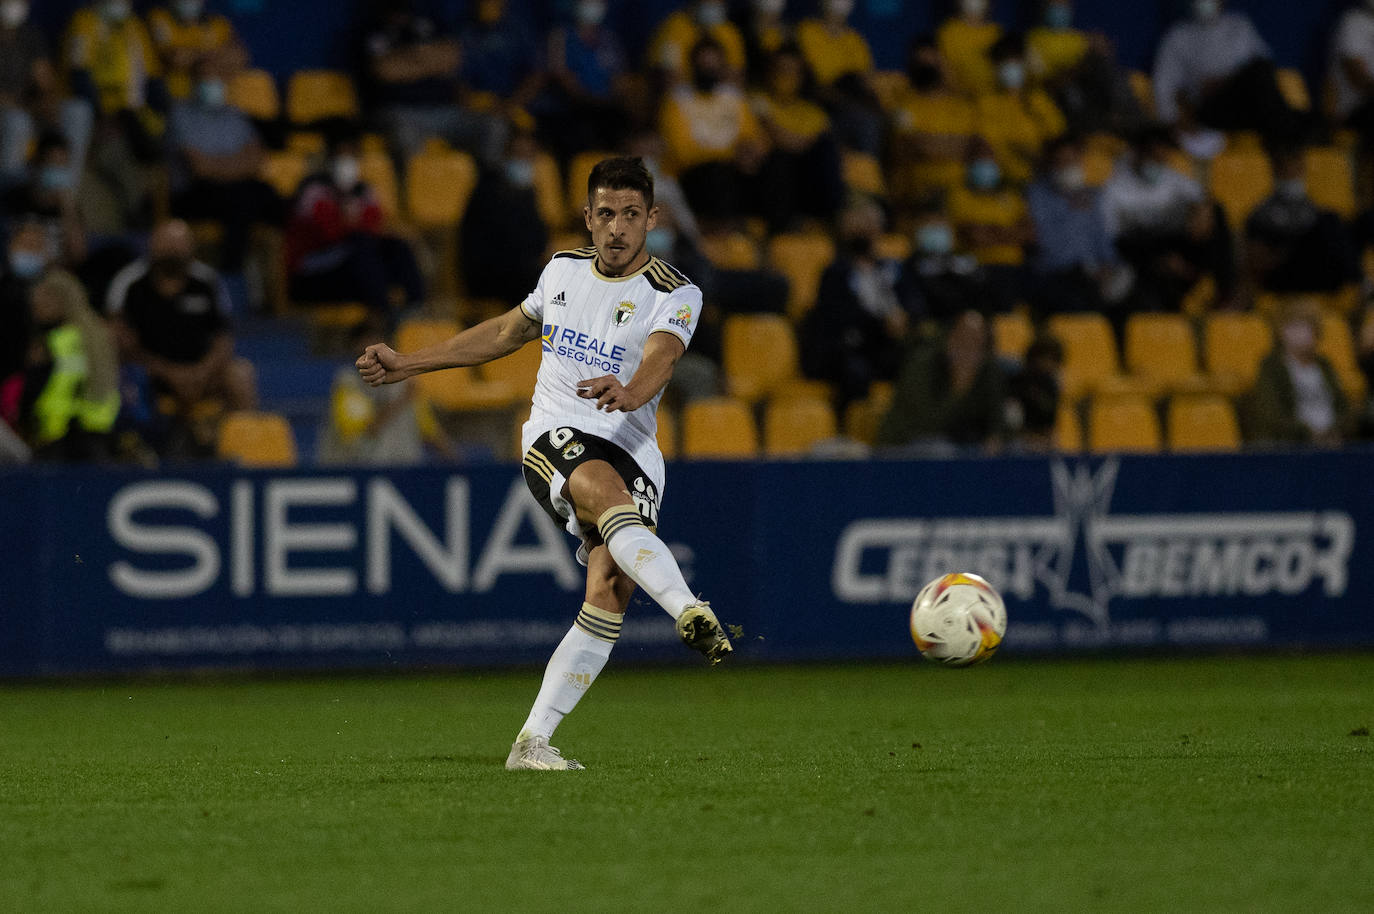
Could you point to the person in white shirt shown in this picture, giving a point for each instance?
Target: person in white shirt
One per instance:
(612, 320)
(1213, 69)
(1352, 68)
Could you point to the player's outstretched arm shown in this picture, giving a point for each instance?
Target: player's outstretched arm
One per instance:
(484, 342)
(661, 352)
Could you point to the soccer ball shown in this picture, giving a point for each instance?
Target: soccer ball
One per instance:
(958, 619)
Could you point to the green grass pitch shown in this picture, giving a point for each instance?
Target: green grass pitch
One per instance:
(1208, 784)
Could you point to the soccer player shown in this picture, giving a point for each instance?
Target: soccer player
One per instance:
(613, 321)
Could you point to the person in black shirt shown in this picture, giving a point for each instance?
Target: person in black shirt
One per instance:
(171, 315)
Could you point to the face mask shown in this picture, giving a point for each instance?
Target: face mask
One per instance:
(189, 10)
(1298, 335)
(1059, 16)
(1071, 178)
(13, 13)
(212, 93)
(1151, 172)
(117, 10)
(936, 239)
(984, 174)
(706, 82)
(590, 13)
(775, 7)
(1292, 189)
(1011, 74)
(346, 172)
(974, 9)
(27, 264)
(1206, 10)
(55, 177)
(925, 76)
(660, 241)
(520, 172)
(838, 9)
(710, 15)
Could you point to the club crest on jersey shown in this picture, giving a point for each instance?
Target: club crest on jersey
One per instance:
(573, 450)
(623, 313)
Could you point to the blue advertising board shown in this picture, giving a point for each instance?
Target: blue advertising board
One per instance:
(218, 567)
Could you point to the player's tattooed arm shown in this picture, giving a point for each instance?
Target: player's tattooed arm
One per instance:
(661, 352)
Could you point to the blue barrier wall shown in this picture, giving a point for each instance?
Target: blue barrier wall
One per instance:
(215, 567)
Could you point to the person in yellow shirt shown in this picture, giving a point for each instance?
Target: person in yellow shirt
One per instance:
(964, 40)
(1017, 119)
(184, 34)
(992, 222)
(801, 176)
(842, 64)
(931, 127)
(1079, 71)
(712, 137)
(671, 46)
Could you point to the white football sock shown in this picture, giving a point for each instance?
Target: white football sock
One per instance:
(645, 558)
(581, 654)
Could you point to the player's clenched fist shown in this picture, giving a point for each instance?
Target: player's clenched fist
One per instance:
(379, 364)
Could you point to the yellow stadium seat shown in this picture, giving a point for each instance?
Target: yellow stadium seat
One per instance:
(667, 432)
(1241, 179)
(1098, 165)
(863, 173)
(802, 257)
(519, 369)
(548, 192)
(1068, 430)
(731, 250)
(379, 172)
(890, 86)
(1201, 423)
(1123, 423)
(455, 389)
(1090, 354)
(307, 143)
(758, 352)
(1331, 179)
(284, 171)
(1012, 333)
(439, 184)
(254, 92)
(893, 245)
(1338, 345)
(793, 425)
(257, 439)
(1233, 345)
(1161, 349)
(719, 427)
(317, 95)
(862, 418)
(1294, 88)
(579, 170)
(804, 388)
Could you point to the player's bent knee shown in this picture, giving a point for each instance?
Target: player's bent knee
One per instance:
(616, 519)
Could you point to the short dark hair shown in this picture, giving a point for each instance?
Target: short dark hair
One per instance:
(622, 173)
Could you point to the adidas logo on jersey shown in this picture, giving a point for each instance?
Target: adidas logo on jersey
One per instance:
(559, 299)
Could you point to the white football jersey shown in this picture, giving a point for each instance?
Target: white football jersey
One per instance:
(595, 325)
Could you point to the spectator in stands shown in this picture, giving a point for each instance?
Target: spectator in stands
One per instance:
(594, 91)
(855, 333)
(931, 128)
(410, 84)
(1075, 266)
(801, 176)
(110, 61)
(1351, 73)
(991, 222)
(964, 39)
(49, 198)
(1080, 72)
(172, 316)
(31, 96)
(502, 67)
(714, 142)
(337, 245)
(842, 63)
(1165, 227)
(938, 281)
(671, 48)
(950, 393)
(186, 35)
(1293, 245)
(1297, 397)
(1017, 118)
(216, 156)
(1033, 396)
(503, 239)
(71, 387)
(765, 32)
(1364, 356)
(27, 257)
(1213, 70)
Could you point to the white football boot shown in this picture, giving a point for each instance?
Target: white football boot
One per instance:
(535, 754)
(701, 631)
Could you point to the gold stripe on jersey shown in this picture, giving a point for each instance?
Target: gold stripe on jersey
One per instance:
(540, 464)
(616, 519)
(586, 253)
(663, 276)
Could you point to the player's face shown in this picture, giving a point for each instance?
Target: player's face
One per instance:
(619, 222)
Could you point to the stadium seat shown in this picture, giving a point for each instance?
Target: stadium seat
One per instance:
(1241, 179)
(1233, 345)
(863, 173)
(579, 170)
(1068, 430)
(793, 425)
(667, 432)
(318, 95)
(1331, 180)
(1098, 165)
(890, 86)
(758, 352)
(862, 418)
(802, 257)
(254, 92)
(1338, 345)
(1123, 422)
(257, 439)
(455, 389)
(1090, 354)
(718, 428)
(1202, 423)
(1294, 88)
(307, 143)
(548, 193)
(730, 250)
(284, 171)
(1012, 333)
(379, 172)
(520, 369)
(893, 245)
(439, 184)
(1161, 350)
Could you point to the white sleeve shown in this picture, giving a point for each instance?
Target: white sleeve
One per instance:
(679, 314)
(533, 305)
